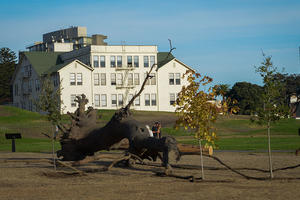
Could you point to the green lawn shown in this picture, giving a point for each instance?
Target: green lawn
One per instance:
(253, 143)
(234, 132)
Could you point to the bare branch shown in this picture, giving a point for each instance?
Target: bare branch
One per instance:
(147, 77)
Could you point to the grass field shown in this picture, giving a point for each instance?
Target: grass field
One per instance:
(234, 132)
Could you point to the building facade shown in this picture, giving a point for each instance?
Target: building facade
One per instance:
(109, 76)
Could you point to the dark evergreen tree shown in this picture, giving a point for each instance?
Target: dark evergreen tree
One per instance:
(7, 68)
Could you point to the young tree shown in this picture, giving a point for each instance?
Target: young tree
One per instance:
(7, 68)
(273, 103)
(49, 101)
(195, 111)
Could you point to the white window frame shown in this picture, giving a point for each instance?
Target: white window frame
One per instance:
(103, 100)
(153, 79)
(120, 100)
(148, 81)
(130, 78)
(79, 79)
(136, 79)
(136, 61)
(102, 61)
(114, 98)
(96, 61)
(96, 79)
(112, 61)
(137, 101)
(171, 79)
(177, 79)
(147, 99)
(113, 79)
(72, 78)
(146, 61)
(119, 61)
(97, 100)
(153, 99)
(129, 61)
(103, 78)
(73, 103)
(152, 60)
(172, 98)
(119, 79)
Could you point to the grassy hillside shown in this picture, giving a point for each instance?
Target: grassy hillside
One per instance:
(234, 132)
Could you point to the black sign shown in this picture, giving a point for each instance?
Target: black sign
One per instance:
(13, 136)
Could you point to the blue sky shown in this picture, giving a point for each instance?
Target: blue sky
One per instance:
(220, 38)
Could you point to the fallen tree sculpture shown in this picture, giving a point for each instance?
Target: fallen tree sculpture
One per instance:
(83, 138)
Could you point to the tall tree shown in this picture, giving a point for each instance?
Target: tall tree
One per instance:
(273, 107)
(7, 68)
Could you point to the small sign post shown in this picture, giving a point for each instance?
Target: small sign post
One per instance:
(12, 137)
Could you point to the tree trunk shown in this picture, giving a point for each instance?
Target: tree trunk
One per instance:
(269, 151)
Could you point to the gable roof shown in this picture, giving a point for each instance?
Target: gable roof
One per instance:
(58, 67)
(42, 61)
(163, 58)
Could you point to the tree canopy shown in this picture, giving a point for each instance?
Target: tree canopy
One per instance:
(7, 68)
(248, 96)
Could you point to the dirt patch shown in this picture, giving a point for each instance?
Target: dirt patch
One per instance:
(37, 180)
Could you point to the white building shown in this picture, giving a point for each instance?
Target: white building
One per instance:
(109, 75)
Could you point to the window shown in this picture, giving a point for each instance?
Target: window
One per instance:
(130, 96)
(79, 78)
(97, 100)
(172, 98)
(147, 99)
(148, 81)
(103, 100)
(120, 99)
(72, 79)
(129, 61)
(171, 78)
(55, 80)
(113, 79)
(119, 61)
(37, 85)
(112, 61)
(177, 78)
(137, 101)
(16, 90)
(119, 79)
(146, 61)
(113, 100)
(136, 78)
(102, 61)
(30, 86)
(96, 79)
(153, 99)
(103, 79)
(153, 79)
(130, 79)
(152, 60)
(96, 61)
(73, 97)
(136, 61)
